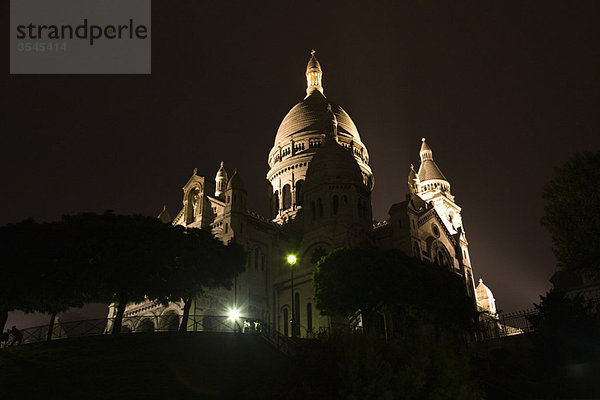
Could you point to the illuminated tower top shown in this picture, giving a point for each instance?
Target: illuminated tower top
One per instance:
(220, 180)
(314, 75)
(430, 176)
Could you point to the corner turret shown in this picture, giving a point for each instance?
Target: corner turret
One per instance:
(220, 181)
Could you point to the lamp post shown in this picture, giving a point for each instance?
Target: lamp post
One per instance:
(291, 259)
(234, 313)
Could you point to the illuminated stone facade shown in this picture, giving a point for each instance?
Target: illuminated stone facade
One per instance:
(320, 186)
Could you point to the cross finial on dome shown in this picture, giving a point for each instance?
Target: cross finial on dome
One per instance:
(312, 52)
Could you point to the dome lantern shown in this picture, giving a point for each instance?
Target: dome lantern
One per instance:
(314, 75)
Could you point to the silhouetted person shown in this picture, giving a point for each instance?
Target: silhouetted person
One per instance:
(5, 336)
(17, 335)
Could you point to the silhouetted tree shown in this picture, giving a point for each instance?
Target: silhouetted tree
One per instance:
(347, 281)
(109, 258)
(372, 281)
(124, 258)
(572, 214)
(202, 262)
(37, 270)
(15, 279)
(566, 332)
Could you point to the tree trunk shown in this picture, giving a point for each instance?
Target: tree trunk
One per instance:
(51, 327)
(367, 320)
(118, 321)
(186, 315)
(3, 318)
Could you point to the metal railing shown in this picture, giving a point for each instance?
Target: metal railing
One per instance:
(517, 323)
(144, 324)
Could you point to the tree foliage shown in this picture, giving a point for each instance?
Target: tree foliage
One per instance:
(109, 258)
(37, 270)
(203, 262)
(388, 281)
(566, 332)
(572, 213)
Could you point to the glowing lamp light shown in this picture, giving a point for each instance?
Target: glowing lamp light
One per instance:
(233, 314)
(291, 259)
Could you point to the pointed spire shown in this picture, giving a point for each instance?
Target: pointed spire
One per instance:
(413, 180)
(314, 75)
(428, 170)
(425, 153)
(164, 215)
(332, 128)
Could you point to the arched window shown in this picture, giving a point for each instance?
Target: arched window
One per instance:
(336, 204)
(313, 209)
(286, 197)
(309, 317)
(256, 258)
(417, 250)
(320, 207)
(299, 194)
(275, 203)
(359, 206)
(285, 322)
(297, 310)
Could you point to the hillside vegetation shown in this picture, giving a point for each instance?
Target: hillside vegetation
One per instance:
(146, 366)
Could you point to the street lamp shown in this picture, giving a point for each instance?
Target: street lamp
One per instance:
(291, 259)
(234, 314)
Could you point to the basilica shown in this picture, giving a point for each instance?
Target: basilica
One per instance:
(319, 186)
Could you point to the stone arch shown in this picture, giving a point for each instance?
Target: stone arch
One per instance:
(194, 204)
(169, 321)
(440, 254)
(146, 325)
(126, 327)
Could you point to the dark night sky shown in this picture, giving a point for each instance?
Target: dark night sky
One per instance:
(503, 92)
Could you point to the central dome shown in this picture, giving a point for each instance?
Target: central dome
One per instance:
(304, 131)
(311, 115)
